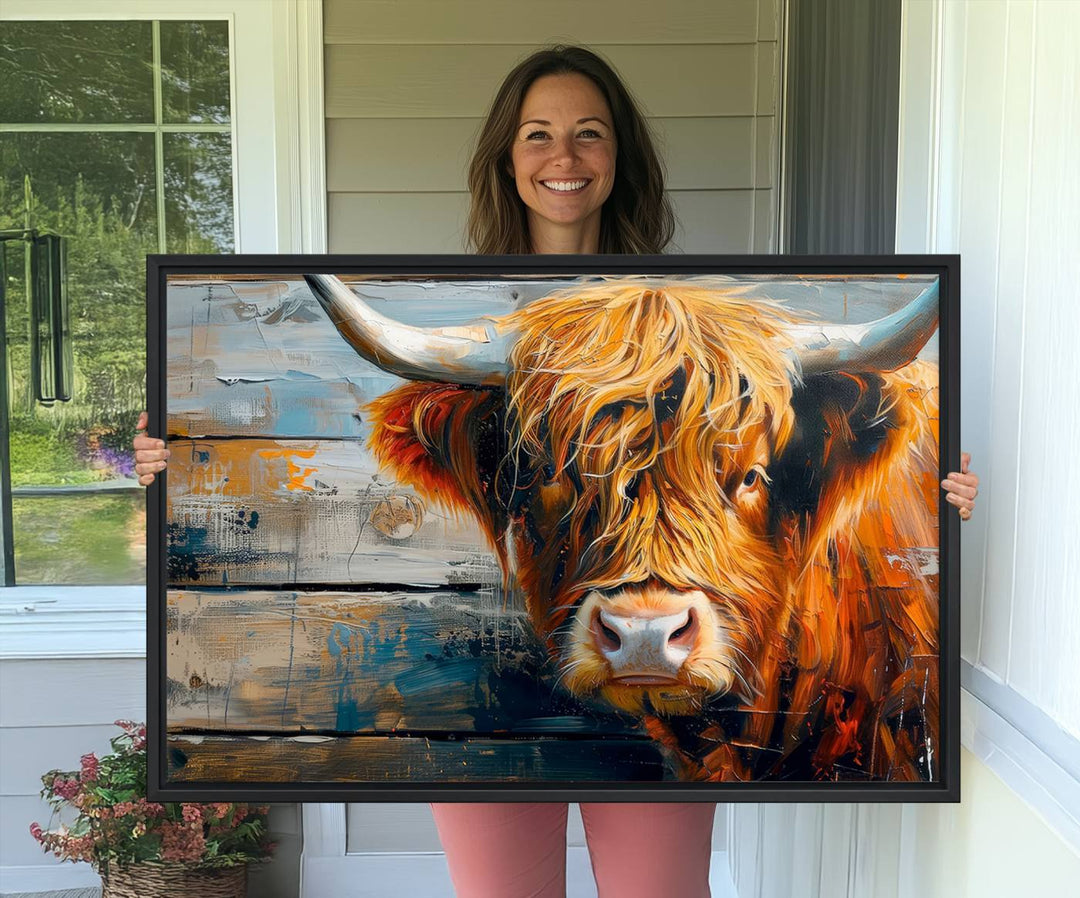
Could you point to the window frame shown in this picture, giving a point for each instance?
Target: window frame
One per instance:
(279, 205)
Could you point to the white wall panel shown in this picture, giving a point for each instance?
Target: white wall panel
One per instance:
(989, 167)
(1013, 220)
(1003, 182)
(1046, 604)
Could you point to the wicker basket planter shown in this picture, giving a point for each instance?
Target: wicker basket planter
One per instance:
(174, 881)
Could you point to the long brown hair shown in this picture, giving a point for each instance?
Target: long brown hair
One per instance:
(637, 216)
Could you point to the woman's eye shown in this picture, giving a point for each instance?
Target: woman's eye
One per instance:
(536, 135)
(589, 132)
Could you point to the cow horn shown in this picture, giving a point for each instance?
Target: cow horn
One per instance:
(882, 345)
(473, 354)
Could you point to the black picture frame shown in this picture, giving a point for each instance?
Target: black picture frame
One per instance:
(946, 788)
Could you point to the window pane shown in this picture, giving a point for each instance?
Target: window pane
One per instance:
(98, 191)
(80, 539)
(76, 72)
(195, 71)
(198, 193)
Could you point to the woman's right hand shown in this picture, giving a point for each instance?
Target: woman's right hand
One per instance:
(150, 454)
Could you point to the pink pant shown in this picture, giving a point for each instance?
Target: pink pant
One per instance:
(501, 850)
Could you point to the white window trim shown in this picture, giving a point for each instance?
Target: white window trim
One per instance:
(1032, 755)
(280, 203)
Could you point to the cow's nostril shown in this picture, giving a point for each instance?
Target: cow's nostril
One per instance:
(606, 638)
(687, 630)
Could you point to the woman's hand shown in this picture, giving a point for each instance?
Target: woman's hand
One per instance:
(962, 487)
(150, 454)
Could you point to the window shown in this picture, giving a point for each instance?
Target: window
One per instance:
(116, 135)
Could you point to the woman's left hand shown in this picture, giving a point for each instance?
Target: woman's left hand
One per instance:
(962, 487)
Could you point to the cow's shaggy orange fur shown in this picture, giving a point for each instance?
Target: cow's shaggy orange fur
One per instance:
(662, 398)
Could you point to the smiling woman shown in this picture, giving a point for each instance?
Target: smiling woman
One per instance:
(565, 163)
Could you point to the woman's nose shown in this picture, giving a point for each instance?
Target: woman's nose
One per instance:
(564, 150)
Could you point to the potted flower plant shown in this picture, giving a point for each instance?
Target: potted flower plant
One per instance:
(141, 847)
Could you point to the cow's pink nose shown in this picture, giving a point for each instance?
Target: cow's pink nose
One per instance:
(645, 649)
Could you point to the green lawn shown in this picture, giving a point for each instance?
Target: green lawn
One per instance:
(81, 539)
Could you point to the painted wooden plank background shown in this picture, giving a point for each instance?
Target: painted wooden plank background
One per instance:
(284, 491)
(295, 512)
(396, 759)
(252, 357)
(295, 662)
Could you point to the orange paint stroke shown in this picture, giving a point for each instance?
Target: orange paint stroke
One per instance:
(295, 472)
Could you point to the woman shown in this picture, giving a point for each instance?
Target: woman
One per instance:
(565, 164)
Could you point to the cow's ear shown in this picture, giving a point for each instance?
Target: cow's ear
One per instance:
(445, 441)
(853, 431)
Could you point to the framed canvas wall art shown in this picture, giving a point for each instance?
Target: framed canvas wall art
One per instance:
(470, 528)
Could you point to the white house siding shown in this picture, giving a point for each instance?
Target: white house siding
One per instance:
(408, 83)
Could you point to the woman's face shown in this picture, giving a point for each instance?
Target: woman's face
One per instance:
(563, 154)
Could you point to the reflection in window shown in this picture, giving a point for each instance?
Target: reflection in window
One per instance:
(143, 164)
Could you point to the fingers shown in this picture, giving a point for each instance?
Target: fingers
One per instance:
(965, 506)
(150, 453)
(964, 485)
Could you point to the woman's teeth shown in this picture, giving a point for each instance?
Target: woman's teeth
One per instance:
(564, 186)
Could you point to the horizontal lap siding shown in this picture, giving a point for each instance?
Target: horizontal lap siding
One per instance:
(408, 83)
(478, 22)
(81, 698)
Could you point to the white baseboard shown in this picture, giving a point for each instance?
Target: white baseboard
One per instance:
(378, 875)
(78, 879)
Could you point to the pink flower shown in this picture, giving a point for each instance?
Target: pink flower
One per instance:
(146, 808)
(181, 842)
(221, 809)
(89, 768)
(36, 832)
(192, 813)
(65, 788)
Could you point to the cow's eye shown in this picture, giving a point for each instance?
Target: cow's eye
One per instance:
(754, 478)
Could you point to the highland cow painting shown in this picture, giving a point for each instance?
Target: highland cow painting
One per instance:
(600, 528)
